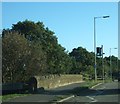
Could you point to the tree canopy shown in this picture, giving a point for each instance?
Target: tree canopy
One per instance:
(30, 49)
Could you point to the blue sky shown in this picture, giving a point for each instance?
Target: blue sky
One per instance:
(71, 22)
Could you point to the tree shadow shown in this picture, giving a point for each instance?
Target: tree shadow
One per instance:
(27, 87)
(79, 91)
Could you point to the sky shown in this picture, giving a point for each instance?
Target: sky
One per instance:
(72, 22)
(60, 0)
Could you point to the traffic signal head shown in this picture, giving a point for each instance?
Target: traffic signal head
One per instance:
(99, 51)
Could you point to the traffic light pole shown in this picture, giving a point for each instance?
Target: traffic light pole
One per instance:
(95, 42)
(102, 64)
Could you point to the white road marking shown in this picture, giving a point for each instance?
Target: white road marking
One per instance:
(99, 92)
(94, 100)
(96, 85)
(91, 98)
(66, 98)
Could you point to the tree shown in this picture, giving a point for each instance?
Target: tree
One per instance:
(37, 33)
(14, 49)
(31, 30)
(30, 49)
(21, 59)
(82, 59)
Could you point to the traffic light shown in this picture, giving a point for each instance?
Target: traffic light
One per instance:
(99, 51)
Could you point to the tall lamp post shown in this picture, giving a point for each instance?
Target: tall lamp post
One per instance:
(111, 62)
(95, 42)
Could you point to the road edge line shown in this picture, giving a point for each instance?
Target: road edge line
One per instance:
(66, 98)
(96, 85)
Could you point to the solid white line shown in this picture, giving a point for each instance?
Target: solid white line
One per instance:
(94, 101)
(96, 85)
(91, 98)
(66, 98)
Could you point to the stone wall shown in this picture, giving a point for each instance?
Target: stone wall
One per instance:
(53, 81)
(47, 82)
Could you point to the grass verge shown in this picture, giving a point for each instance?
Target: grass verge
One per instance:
(11, 96)
(91, 83)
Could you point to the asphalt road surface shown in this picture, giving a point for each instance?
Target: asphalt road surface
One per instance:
(47, 95)
(107, 92)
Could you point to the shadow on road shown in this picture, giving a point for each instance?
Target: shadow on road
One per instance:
(79, 91)
(68, 90)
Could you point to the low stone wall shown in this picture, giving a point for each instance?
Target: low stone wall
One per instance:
(47, 82)
(53, 81)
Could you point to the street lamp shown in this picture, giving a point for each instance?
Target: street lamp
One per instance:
(106, 16)
(111, 62)
(95, 41)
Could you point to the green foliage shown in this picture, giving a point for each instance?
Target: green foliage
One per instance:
(30, 49)
(82, 61)
(14, 50)
(20, 59)
(11, 96)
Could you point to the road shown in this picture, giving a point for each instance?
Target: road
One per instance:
(47, 95)
(107, 92)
